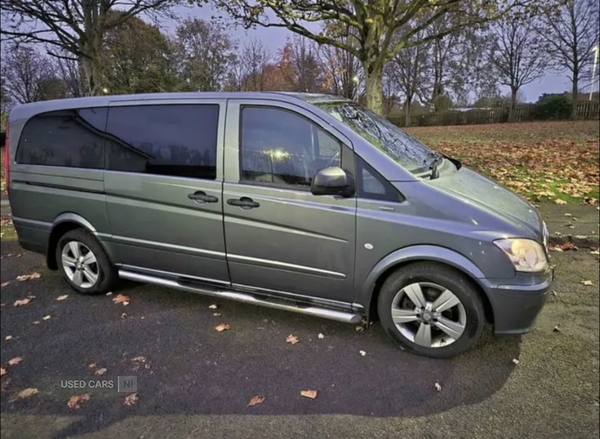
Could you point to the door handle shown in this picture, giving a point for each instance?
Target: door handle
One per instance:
(244, 203)
(201, 197)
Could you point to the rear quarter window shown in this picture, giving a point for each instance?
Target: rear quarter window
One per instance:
(171, 139)
(68, 138)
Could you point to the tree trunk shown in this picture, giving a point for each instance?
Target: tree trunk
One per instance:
(374, 86)
(513, 104)
(407, 105)
(574, 95)
(93, 76)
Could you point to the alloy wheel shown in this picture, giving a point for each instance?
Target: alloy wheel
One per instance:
(80, 264)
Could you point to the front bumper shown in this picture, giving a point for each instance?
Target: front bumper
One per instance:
(516, 305)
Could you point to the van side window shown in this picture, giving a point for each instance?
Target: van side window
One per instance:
(372, 185)
(282, 147)
(177, 140)
(69, 138)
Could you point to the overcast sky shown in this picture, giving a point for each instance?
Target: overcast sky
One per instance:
(274, 38)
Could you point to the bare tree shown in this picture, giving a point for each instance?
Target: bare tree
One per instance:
(24, 69)
(255, 56)
(71, 72)
(342, 70)
(517, 56)
(411, 69)
(76, 27)
(571, 31)
(304, 72)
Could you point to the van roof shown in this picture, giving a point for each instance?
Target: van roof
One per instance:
(25, 110)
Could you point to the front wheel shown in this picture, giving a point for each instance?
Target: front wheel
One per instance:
(84, 263)
(431, 310)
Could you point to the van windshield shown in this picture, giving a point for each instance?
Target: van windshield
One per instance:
(383, 134)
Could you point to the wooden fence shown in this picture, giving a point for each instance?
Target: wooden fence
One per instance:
(586, 110)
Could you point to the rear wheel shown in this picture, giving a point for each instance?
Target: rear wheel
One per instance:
(431, 310)
(84, 263)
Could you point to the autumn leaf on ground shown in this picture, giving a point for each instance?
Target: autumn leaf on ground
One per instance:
(131, 399)
(292, 339)
(568, 246)
(26, 393)
(4, 383)
(594, 252)
(46, 317)
(25, 277)
(3, 371)
(587, 283)
(515, 361)
(75, 400)
(15, 361)
(222, 327)
(362, 353)
(321, 336)
(100, 371)
(560, 202)
(312, 394)
(4, 284)
(139, 361)
(121, 298)
(22, 302)
(213, 306)
(8, 337)
(61, 298)
(216, 314)
(438, 387)
(258, 399)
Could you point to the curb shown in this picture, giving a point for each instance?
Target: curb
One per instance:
(577, 240)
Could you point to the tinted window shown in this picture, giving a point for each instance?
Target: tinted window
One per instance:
(282, 147)
(71, 138)
(372, 185)
(179, 140)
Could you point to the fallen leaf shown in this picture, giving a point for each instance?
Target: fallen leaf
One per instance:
(222, 327)
(100, 371)
(594, 252)
(75, 400)
(587, 283)
(109, 294)
(568, 246)
(560, 202)
(359, 328)
(3, 371)
(213, 306)
(92, 365)
(556, 329)
(216, 314)
(37, 322)
(515, 361)
(25, 277)
(15, 361)
(362, 353)
(438, 387)
(321, 336)
(4, 383)
(26, 393)
(61, 298)
(22, 302)
(292, 339)
(312, 394)
(131, 399)
(8, 337)
(3, 284)
(46, 317)
(121, 298)
(258, 399)
(568, 214)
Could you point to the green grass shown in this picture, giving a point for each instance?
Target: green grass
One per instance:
(8, 233)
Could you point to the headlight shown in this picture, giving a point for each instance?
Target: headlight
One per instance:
(525, 254)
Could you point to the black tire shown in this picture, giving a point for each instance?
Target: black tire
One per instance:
(445, 277)
(107, 272)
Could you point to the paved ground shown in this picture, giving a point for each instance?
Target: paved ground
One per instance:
(572, 222)
(198, 382)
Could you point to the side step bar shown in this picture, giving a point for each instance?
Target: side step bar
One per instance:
(340, 316)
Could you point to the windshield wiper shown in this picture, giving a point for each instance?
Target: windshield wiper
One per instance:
(437, 161)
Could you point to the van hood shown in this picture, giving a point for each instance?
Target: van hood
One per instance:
(491, 196)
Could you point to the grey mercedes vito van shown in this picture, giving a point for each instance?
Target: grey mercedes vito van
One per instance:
(303, 202)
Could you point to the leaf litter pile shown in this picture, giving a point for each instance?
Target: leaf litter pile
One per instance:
(543, 161)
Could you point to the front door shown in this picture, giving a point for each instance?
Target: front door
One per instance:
(163, 187)
(281, 239)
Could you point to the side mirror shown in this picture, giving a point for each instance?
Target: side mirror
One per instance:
(332, 181)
